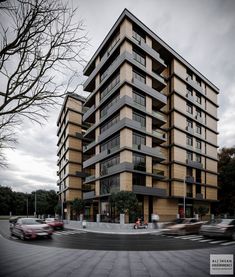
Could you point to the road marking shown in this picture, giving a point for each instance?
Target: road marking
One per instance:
(196, 239)
(64, 233)
(228, 243)
(192, 237)
(217, 241)
(205, 240)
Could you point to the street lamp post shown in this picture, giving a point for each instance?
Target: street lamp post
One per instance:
(35, 204)
(27, 206)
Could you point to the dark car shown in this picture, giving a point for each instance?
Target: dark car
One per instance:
(55, 223)
(30, 228)
(184, 227)
(219, 228)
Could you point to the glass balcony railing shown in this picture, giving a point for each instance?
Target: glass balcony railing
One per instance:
(159, 115)
(159, 134)
(158, 172)
(89, 178)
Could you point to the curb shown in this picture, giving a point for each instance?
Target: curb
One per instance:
(86, 230)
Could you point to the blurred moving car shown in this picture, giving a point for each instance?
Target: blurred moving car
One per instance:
(30, 228)
(13, 220)
(183, 226)
(55, 223)
(219, 228)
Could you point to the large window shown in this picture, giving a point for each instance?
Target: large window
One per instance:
(190, 123)
(139, 58)
(198, 144)
(109, 124)
(139, 118)
(198, 158)
(139, 98)
(104, 165)
(112, 143)
(198, 113)
(115, 80)
(189, 156)
(189, 108)
(138, 139)
(110, 185)
(139, 76)
(114, 100)
(139, 162)
(189, 140)
(139, 179)
(198, 98)
(198, 129)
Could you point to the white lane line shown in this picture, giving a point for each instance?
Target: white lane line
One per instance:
(217, 241)
(205, 240)
(192, 237)
(196, 239)
(228, 243)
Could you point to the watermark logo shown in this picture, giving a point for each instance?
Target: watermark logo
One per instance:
(221, 264)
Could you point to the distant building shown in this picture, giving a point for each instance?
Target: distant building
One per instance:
(153, 127)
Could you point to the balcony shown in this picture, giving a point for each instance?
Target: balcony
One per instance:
(148, 191)
(159, 99)
(88, 195)
(194, 84)
(189, 179)
(90, 178)
(89, 146)
(194, 164)
(89, 114)
(159, 135)
(154, 152)
(158, 172)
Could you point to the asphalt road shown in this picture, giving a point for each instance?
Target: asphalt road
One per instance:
(75, 239)
(55, 258)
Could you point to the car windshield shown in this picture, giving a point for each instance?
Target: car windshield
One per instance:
(30, 221)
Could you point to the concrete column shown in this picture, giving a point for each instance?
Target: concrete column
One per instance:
(122, 219)
(146, 208)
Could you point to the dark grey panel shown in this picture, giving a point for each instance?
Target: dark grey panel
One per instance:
(149, 191)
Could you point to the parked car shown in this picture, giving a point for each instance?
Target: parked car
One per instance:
(30, 228)
(55, 223)
(219, 228)
(184, 226)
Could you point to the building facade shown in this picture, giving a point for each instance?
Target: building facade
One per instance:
(153, 126)
(70, 141)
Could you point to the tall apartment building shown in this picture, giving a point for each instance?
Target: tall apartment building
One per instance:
(70, 136)
(153, 125)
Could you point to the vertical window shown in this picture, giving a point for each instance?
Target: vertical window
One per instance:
(112, 143)
(189, 140)
(189, 108)
(139, 57)
(139, 180)
(198, 80)
(198, 144)
(138, 139)
(139, 76)
(104, 110)
(139, 162)
(109, 163)
(189, 91)
(198, 98)
(110, 185)
(198, 129)
(189, 156)
(198, 158)
(139, 98)
(115, 80)
(109, 124)
(139, 118)
(189, 74)
(189, 123)
(198, 113)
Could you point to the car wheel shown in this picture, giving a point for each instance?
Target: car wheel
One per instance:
(22, 236)
(135, 226)
(49, 236)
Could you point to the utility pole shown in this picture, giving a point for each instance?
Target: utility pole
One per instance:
(27, 206)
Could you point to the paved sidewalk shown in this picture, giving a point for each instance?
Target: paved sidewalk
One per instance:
(110, 228)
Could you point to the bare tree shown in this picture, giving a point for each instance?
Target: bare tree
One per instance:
(41, 47)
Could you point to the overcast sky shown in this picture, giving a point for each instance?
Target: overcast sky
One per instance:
(202, 31)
